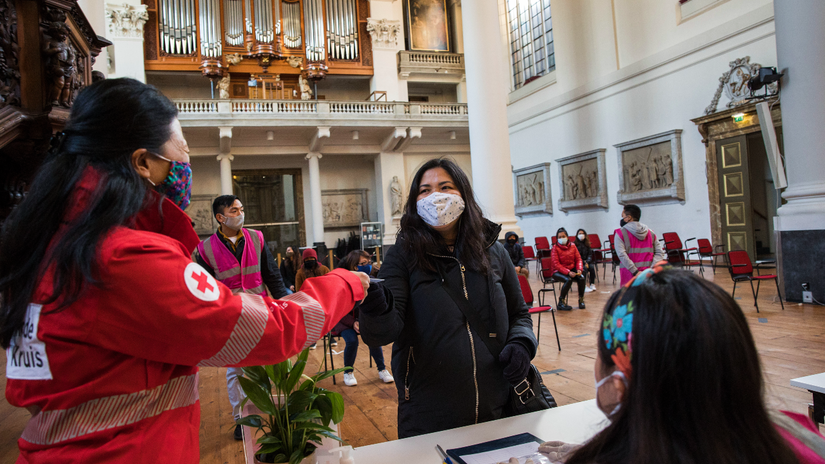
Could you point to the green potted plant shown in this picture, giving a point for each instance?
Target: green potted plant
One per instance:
(296, 412)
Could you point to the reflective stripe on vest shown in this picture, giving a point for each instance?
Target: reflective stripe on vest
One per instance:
(245, 336)
(640, 252)
(50, 427)
(243, 277)
(314, 316)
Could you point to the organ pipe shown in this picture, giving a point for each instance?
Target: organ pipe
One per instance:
(292, 25)
(342, 32)
(210, 28)
(177, 26)
(233, 22)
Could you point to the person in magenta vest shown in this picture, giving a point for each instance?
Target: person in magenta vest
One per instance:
(239, 259)
(636, 245)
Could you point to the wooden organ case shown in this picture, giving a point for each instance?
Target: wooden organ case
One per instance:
(267, 40)
(47, 49)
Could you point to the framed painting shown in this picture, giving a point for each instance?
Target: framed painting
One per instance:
(427, 25)
(583, 180)
(650, 169)
(532, 190)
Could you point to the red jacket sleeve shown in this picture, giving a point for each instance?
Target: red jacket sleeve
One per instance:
(557, 267)
(157, 304)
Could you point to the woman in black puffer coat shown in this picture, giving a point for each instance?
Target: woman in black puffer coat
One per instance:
(453, 308)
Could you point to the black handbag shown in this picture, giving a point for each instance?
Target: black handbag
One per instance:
(530, 395)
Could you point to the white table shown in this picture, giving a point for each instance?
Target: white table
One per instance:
(573, 423)
(816, 385)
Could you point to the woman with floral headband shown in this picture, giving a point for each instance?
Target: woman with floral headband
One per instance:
(678, 376)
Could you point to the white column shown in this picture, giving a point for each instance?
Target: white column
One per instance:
(458, 25)
(124, 23)
(226, 173)
(95, 11)
(487, 99)
(461, 90)
(387, 37)
(315, 198)
(800, 49)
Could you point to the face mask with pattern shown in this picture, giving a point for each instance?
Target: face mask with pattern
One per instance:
(177, 185)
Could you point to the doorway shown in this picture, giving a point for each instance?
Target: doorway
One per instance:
(274, 204)
(747, 196)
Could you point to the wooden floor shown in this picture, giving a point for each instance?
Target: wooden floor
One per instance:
(791, 344)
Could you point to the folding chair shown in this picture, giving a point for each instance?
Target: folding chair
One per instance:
(554, 240)
(741, 269)
(542, 247)
(600, 254)
(528, 298)
(328, 346)
(530, 255)
(546, 276)
(708, 251)
(679, 256)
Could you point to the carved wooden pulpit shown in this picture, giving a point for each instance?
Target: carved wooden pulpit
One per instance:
(47, 49)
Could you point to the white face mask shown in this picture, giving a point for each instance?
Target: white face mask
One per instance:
(581, 237)
(562, 241)
(440, 209)
(601, 382)
(234, 222)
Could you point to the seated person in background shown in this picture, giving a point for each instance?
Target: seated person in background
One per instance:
(349, 328)
(311, 268)
(637, 247)
(586, 252)
(289, 267)
(675, 391)
(567, 267)
(516, 253)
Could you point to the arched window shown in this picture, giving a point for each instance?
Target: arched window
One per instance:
(531, 39)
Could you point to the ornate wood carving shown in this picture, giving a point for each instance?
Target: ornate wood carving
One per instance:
(47, 49)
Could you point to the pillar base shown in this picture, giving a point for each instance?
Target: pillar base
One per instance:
(800, 260)
(508, 224)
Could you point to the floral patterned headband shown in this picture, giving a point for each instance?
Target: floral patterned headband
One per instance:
(617, 326)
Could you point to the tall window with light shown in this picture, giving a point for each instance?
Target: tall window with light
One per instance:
(531, 39)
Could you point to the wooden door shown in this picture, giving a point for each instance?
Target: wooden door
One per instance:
(735, 195)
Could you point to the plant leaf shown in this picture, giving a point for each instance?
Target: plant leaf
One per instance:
(324, 375)
(294, 375)
(313, 426)
(258, 375)
(296, 457)
(337, 405)
(252, 420)
(259, 397)
(330, 435)
(270, 440)
(301, 400)
(324, 405)
(305, 416)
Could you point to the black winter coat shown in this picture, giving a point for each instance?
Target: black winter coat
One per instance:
(515, 251)
(584, 251)
(445, 374)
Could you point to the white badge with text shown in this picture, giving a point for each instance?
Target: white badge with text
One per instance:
(26, 355)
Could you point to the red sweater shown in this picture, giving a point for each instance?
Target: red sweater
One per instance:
(566, 258)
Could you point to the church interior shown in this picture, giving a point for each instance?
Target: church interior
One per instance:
(317, 115)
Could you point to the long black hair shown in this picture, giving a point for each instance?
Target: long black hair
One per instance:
(695, 394)
(419, 239)
(110, 119)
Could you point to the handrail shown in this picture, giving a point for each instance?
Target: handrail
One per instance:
(318, 107)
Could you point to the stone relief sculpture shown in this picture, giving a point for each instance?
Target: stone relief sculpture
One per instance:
(344, 208)
(583, 181)
(650, 168)
(128, 20)
(60, 63)
(383, 32)
(223, 87)
(532, 190)
(734, 83)
(396, 196)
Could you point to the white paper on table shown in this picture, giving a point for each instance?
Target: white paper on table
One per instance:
(503, 454)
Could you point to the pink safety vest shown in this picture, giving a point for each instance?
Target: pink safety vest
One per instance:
(639, 251)
(243, 277)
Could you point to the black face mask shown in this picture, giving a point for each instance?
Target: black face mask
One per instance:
(511, 242)
(310, 264)
(622, 223)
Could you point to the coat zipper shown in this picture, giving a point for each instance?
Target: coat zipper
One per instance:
(407, 375)
(469, 332)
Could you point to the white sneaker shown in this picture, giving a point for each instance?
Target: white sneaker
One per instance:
(333, 341)
(313, 346)
(349, 379)
(593, 287)
(587, 289)
(385, 376)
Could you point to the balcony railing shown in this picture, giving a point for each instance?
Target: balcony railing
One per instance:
(319, 108)
(430, 62)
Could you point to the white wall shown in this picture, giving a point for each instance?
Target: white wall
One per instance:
(659, 92)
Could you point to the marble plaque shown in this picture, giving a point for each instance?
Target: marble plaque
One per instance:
(650, 169)
(344, 208)
(532, 190)
(200, 211)
(583, 180)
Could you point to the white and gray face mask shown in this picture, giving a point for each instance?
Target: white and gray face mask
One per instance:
(440, 209)
(234, 222)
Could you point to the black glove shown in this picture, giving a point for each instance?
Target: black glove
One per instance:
(516, 359)
(375, 302)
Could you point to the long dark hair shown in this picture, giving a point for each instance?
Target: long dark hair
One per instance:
(419, 238)
(586, 240)
(696, 390)
(293, 263)
(110, 119)
(351, 260)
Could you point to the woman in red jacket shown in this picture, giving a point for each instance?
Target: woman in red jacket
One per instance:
(567, 267)
(104, 317)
